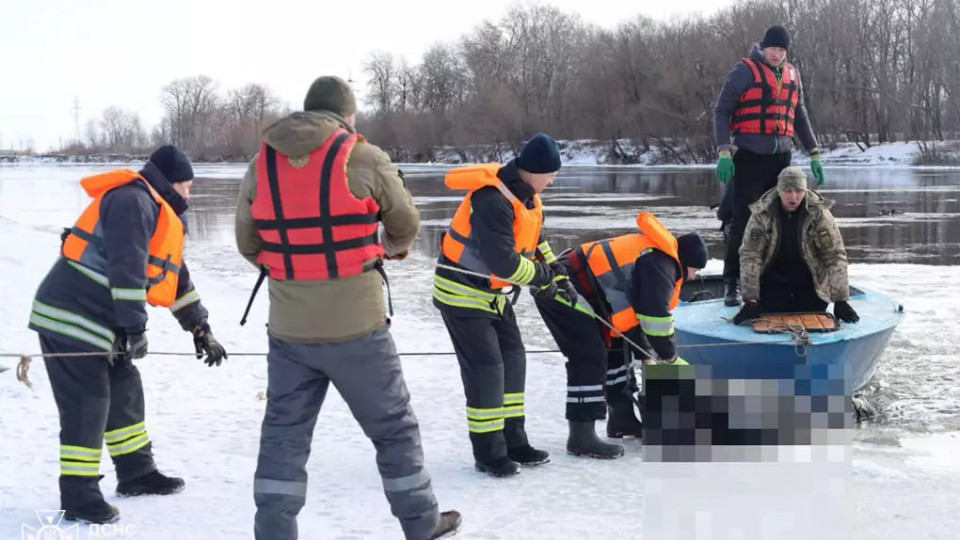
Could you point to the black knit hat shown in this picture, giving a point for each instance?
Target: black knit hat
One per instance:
(540, 155)
(330, 93)
(692, 251)
(173, 163)
(776, 36)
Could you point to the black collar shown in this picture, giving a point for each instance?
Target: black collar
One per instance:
(159, 182)
(511, 177)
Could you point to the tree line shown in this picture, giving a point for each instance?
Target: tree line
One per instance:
(873, 71)
(206, 122)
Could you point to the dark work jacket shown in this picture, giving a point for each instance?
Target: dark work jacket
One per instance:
(492, 223)
(71, 307)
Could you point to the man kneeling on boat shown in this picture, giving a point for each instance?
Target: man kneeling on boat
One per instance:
(792, 258)
(633, 281)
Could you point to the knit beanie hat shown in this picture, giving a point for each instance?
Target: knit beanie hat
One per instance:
(791, 178)
(540, 155)
(330, 93)
(173, 163)
(776, 36)
(692, 251)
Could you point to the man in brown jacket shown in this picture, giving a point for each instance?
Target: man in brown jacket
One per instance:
(308, 215)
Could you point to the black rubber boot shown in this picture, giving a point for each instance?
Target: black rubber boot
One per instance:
(81, 500)
(499, 468)
(583, 441)
(621, 421)
(152, 483)
(97, 512)
(448, 524)
(731, 295)
(528, 455)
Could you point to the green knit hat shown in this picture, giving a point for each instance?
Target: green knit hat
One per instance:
(330, 93)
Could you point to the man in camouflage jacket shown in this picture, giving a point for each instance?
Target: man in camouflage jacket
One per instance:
(792, 257)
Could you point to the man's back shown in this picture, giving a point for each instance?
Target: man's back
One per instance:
(316, 311)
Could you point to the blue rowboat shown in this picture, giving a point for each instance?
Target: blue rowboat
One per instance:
(705, 336)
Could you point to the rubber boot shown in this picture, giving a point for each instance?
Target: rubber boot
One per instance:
(81, 500)
(152, 483)
(731, 295)
(498, 468)
(528, 455)
(448, 524)
(621, 421)
(583, 441)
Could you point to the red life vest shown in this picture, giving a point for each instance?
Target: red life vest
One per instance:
(768, 106)
(312, 226)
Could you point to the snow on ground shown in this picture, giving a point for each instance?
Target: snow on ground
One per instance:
(205, 422)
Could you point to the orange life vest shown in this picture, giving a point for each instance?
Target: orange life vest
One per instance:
(461, 247)
(768, 106)
(312, 225)
(611, 262)
(166, 243)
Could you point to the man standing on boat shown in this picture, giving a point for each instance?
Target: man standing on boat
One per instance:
(761, 106)
(793, 257)
(633, 281)
(308, 214)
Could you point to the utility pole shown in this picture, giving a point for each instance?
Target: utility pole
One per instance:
(76, 119)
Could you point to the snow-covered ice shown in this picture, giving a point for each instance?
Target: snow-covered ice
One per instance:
(900, 483)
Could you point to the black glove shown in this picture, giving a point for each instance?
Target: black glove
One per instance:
(129, 345)
(546, 291)
(845, 313)
(204, 342)
(566, 289)
(749, 311)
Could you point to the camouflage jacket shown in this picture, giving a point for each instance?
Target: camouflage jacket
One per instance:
(821, 246)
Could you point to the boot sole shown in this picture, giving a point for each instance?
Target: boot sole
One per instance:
(594, 455)
(449, 533)
(493, 474)
(126, 494)
(77, 519)
(533, 463)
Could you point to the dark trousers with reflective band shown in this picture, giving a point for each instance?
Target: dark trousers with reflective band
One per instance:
(367, 373)
(754, 175)
(580, 340)
(97, 401)
(493, 367)
(619, 357)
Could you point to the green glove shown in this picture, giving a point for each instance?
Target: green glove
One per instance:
(724, 167)
(817, 168)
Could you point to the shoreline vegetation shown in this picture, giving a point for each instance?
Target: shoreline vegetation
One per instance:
(623, 152)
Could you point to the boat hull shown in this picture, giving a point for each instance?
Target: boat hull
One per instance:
(705, 337)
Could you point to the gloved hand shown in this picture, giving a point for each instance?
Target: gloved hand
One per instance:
(132, 345)
(749, 311)
(725, 168)
(204, 342)
(845, 313)
(398, 257)
(566, 289)
(816, 168)
(547, 291)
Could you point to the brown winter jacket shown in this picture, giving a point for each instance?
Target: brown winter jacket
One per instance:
(821, 246)
(319, 311)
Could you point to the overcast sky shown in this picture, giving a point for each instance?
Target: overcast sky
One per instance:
(122, 52)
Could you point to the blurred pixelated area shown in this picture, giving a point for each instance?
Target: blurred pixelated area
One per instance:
(689, 415)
